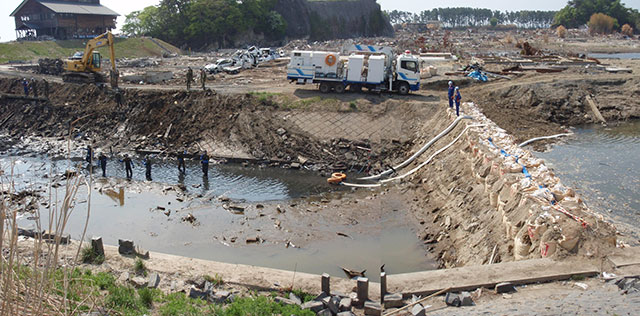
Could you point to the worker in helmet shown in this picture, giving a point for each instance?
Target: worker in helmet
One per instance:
(203, 79)
(457, 97)
(189, 78)
(204, 160)
(25, 86)
(451, 91)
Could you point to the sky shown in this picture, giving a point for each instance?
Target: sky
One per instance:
(124, 7)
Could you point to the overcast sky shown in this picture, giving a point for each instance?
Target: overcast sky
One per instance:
(7, 24)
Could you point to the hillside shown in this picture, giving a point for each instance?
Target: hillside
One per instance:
(125, 48)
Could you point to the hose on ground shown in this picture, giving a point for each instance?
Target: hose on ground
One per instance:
(419, 152)
(412, 171)
(525, 143)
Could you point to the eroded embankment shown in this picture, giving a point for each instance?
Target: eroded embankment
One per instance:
(166, 121)
(491, 201)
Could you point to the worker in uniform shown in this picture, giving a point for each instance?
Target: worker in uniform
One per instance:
(89, 157)
(451, 91)
(34, 87)
(103, 164)
(147, 166)
(128, 165)
(181, 167)
(203, 78)
(25, 86)
(204, 160)
(189, 77)
(457, 97)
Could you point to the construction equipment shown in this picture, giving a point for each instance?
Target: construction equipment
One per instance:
(85, 67)
(376, 68)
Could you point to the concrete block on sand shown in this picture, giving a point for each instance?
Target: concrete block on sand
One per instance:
(196, 293)
(97, 246)
(154, 280)
(283, 300)
(126, 247)
(465, 299)
(417, 310)
(345, 304)
(314, 306)
(372, 308)
(393, 300)
(505, 287)
(333, 304)
(295, 299)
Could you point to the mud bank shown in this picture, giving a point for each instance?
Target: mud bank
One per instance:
(245, 126)
(477, 206)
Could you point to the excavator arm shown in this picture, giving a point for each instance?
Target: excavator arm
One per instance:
(100, 41)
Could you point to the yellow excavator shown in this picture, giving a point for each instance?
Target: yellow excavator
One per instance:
(85, 67)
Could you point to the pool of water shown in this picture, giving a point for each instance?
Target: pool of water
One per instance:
(616, 56)
(603, 164)
(129, 210)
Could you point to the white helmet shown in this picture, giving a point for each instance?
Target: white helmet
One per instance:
(451, 83)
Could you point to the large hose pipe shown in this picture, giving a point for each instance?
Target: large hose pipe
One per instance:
(419, 152)
(525, 143)
(412, 171)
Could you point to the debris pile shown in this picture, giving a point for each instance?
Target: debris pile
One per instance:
(49, 66)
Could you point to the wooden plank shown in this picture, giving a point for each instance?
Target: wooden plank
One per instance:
(594, 109)
(473, 277)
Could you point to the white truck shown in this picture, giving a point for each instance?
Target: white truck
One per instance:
(364, 66)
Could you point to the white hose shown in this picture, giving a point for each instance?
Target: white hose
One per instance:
(419, 152)
(543, 137)
(412, 171)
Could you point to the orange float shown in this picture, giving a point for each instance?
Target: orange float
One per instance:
(331, 60)
(337, 177)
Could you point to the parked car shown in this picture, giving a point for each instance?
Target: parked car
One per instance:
(219, 65)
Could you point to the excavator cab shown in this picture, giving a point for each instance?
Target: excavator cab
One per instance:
(85, 67)
(95, 61)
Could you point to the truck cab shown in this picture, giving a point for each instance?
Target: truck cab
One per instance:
(408, 73)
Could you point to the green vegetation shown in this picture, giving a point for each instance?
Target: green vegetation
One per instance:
(199, 23)
(465, 16)
(304, 296)
(216, 280)
(125, 48)
(90, 256)
(579, 12)
(139, 267)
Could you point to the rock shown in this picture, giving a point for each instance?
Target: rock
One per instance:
(345, 304)
(124, 277)
(334, 304)
(347, 313)
(417, 310)
(195, 293)
(465, 299)
(320, 296)
(126, 247)
(198, 281)
(372, 308)
(283, 300)
(295, 165)
(325, 312)
(393, 300)
(154, 280)
(294, 298)
(314, 306)
(281, 131)
(505, 287)
(219, 297)
(97, 246)
(141, 253)
(452, 299)
(139, 282)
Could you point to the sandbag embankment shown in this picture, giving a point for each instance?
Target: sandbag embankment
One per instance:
(488, 200)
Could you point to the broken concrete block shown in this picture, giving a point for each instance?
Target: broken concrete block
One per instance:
(345, 304)
(347, 313)
(219, 297)
(362, 290)
(325, 312)
(124, 277)
(334, 304)
(465, 299)
(51, 237)
(372, 308)
(125, 247)
(281, 131)
(138, 282)
(417, 310)
(321, 296)
(154, 280)
(283, 300)
(195, 293)
(314, 306)
(505, 287)
(452, 299)
(97, 246)
(393, 300)
(295, 165)
(295, 299)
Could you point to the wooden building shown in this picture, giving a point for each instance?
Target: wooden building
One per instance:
(62, 19)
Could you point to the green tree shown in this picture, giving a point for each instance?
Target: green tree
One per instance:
(139, 23)
(578, 12)
(493, 21)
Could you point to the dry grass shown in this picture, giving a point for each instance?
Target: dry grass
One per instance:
(509, 39)
(561, 31)
(627, 30)
(32, 279)
(600, 23)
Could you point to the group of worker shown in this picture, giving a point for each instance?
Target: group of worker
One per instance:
(203, 78)
(31, 86)
(454, 97)
(147, 162)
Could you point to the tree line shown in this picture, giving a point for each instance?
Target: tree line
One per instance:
(578, 12)
(465, 17)
(198, 23)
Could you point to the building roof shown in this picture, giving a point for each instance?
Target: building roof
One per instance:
(72, 8)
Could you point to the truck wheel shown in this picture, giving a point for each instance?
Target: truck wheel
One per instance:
(339, 88)
(325, 87)
(403, 88)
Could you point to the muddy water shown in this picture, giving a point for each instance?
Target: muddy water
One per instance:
(129, 210)
(603, 164)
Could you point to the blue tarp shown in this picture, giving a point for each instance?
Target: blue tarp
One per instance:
(478, 76)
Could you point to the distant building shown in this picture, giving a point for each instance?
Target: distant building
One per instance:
(62, 19)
